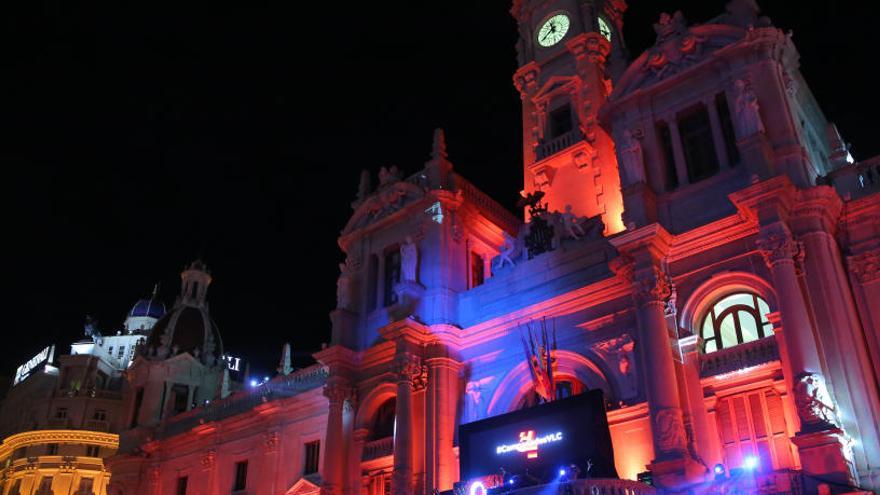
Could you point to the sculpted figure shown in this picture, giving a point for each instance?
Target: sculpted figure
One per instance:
(343, 287)
(747, 109)
(409, 260)
(632, 157)
(571, 224)
(507, 250)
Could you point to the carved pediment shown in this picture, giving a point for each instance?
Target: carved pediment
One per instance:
(387, 200)
(303, 487)
(677, 49)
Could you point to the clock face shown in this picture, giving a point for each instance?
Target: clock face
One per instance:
(604, 29)
(553, 30)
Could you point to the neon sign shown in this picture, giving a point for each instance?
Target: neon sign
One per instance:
(25, 370)
(233, 363)
(529, 443)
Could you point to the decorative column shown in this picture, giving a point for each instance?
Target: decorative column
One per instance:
(822, 445)
(717, 133)
(678, 152)
(442, 395)
(706, 436)
(651, 288)
(814, 220)
(408, 372)
(864, 268)
(338, 392)
(359, 438)
(641, 251)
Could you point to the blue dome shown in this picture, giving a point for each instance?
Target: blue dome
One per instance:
(148, 307)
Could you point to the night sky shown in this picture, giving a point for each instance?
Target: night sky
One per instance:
(135, 138)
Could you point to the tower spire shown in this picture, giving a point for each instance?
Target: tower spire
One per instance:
(438, 149)
(194, 284)
(284, 366)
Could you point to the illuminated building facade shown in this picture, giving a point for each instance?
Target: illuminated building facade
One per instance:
(697, 233)
(61, 418)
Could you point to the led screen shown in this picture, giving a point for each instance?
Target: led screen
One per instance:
(541, 440)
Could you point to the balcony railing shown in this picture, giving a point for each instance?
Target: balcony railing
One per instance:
(557, 144)
(857, 179)
(591, 486)
(378, 448)
(739, 357)
(58, 423)
(97, 425)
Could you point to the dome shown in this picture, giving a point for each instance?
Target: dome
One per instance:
(185, 329)
(151, 308)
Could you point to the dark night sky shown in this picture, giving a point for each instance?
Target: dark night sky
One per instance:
(134, 138)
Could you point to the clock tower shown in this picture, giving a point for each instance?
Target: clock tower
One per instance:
(569, 52)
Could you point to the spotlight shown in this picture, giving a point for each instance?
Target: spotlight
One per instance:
(512, 481)
(254, 382)
(750, 462)
(562, 472)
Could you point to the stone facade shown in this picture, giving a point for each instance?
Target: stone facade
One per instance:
(695, 230)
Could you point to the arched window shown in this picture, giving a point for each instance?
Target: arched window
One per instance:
(735, 319)
(565, 387)
(383, 422)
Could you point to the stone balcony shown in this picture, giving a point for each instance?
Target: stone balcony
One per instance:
(550, 147)
(378, 448)
(590, 486)
(739, 357)
(857, 179)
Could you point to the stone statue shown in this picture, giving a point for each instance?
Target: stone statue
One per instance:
(507, 249)
(571, 224)
(91, 328)
(632, 158)
(748, 113)
(388, 175)
(670, 25)
(409, 260)
(343, 287)
(364, 186)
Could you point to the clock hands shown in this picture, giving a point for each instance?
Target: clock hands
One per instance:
(551, 31)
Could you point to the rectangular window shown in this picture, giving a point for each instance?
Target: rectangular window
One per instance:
(312, 456)
(85, 487)
(138, 400)
(560, 121)
(477, 270)
(241, 469)
(45, 486)
(392, 275)
(181, 485)
(698, 144)
(665, 138)
(110, 351)
(180, 396)
(100, 415)
(727, 128)
(121, 352)
(52, 449)
(93, 451)
(61, 413)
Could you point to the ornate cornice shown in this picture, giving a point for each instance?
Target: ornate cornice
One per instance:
(10, 443)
